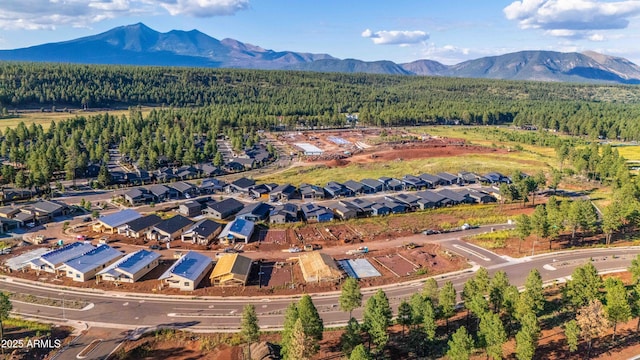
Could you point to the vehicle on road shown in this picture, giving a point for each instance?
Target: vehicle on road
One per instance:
(155, 247)
(360, 250)
(431, 232)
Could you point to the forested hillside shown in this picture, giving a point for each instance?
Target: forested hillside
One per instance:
(269, 98)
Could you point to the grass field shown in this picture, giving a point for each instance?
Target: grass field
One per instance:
(481, 163)
(45, 118)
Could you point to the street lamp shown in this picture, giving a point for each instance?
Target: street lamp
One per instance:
(260, 279)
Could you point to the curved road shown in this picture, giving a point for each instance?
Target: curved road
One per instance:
(131, 311)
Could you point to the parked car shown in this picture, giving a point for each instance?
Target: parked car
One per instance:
(155, 247)
(431, 232)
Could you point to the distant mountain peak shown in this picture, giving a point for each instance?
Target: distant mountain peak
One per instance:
(138, 44)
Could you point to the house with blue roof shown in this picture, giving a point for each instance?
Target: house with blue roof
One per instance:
(110, 223)
(54, 259)
(237, 230)
(131, 267)
(85, 267)
(186, 273)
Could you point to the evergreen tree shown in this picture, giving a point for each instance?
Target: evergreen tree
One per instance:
(5, 308)
(499, 284)
(360, 353)
(447, 301)
(351, 337)
(592, 322)
(572, 333)
(301, 345)
(250, 330)
(527, 337)
(523, 229)
(311, 321)
(430, 291)
(350, 297)
(377, 318)
(534, 290)
(584, 286)
(492, 334)
(617, 306)
(460, 345)
(404, 317)
(290, 318)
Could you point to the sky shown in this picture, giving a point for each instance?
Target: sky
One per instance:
(401, 31)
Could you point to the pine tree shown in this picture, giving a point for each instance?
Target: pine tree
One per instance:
(311, 321)
(5, 308)
(534, 290)
(492, 334)
(360, 353)
(499, 284)
(377, 318)
(447, 301)
(351, 337)
(592, 322)
(250, 330)
(301, 344)
(460, 345)
(290, 318)
(572, 333)
(350, 297)
(404, 315)
(617, 300)
(430, 291)
(584, 285)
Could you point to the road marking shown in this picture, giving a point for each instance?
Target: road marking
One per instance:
(125, 304)
(472, 252)
(549, 267)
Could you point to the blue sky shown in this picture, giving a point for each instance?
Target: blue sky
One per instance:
(402, 30)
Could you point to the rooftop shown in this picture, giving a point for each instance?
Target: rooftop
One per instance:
(232, 266)
(190, 266)
(119, 218)
(132, 262)
(94, 258)
(144, 222)
(66, 252)
(204, 227)
(173, 224)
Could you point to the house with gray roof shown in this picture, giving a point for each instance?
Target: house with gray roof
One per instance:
(137, 228)
(413, 182)
(314, 213)
(447, 179)
(430, 199)
(222, 209)
(380, 209)
(184, 189)
(453, 197)
(187, 273)
(284, 213)
(202, 232)
(371, 186)
(169, 229)
(255, 212)
(190, 208)
(342, 211)
(431, 181)
(409, 200)
(86, 266)
(354, 187)
(311, 192)
(282, 192)
(242, 185)
(130, 268)
(138, 196)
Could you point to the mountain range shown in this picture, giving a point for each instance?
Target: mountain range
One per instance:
(140, 45)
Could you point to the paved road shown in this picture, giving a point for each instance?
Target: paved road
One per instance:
(129, 311)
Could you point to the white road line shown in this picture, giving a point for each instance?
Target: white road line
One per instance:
(474, 253)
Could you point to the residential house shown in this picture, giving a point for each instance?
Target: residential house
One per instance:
(284, 192)
(342, 211)
(335, 189)
(311, 192)
(131, 268)
(208, 170)
(496, 178)
(480, 196)
(237, 230)
(260, 192)
(186, 172)
(210, 186)
(242, 185)
(186, 273)
(409, 200)
(86, 266)
(413, 182)
(184, 189)
(54, 259)
(362, 206)
(380, 209)
(465, 177)
(431, 181)
(395, 207)
(190, 208)
(314, 213)
(447, 179)
(139, 227)
(231, 270)
(169, 229)
(163, 193)
(371, 186)
(255, 212)
(284, 213)
(395, 185)
(429, 199)
(354, 187)
(319, 267)
(137, 196)
(453, 197)
(234, 166)
(110, 223)
(202, 232)
(46, 210)
(222, 209)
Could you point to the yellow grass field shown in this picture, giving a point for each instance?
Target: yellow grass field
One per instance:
(45, 118)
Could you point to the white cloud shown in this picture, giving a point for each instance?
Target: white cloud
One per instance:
(572, 18)
(48, 14)
(396, 37)
(204, 8)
